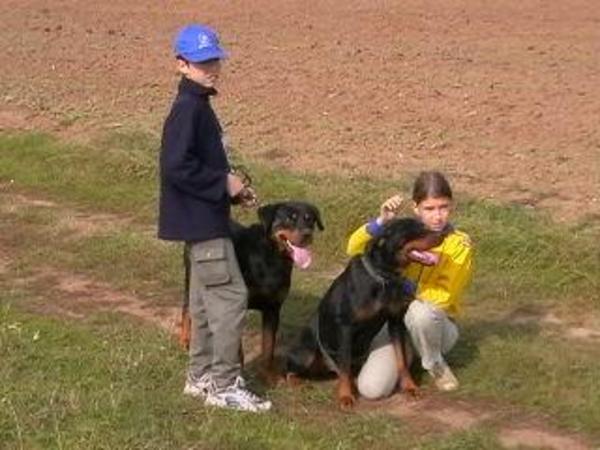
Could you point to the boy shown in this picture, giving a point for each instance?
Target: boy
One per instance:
(196, 188)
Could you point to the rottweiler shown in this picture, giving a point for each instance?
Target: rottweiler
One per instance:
(369, 293)
(266, 253)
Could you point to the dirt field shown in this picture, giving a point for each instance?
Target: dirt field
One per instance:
(504, 96)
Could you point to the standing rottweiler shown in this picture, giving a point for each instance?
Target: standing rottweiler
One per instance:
(266, 253)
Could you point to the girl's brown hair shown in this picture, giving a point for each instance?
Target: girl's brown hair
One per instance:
(431, 184)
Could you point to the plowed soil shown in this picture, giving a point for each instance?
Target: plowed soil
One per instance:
(503, 96)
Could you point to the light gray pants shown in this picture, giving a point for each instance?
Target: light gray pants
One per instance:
(218, 300)
(432, 335)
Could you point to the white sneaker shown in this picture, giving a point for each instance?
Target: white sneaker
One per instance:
(238, 397)
(443, 377)
(199, 387)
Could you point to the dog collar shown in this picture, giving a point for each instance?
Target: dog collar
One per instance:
(371, 270)
(408, 287)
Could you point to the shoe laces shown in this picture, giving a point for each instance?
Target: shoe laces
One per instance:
(204, 381)
(240, 385)
(438, 370)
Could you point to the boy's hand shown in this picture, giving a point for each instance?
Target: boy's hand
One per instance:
(246, 198)
(389, 209)
(235, 185)
(240, 191)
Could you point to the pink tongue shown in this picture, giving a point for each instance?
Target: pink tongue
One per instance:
(426, 258)
(301, 256)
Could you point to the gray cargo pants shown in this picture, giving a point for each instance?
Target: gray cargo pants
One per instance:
(218, 301)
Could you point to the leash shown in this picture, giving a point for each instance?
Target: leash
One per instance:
(247, 197)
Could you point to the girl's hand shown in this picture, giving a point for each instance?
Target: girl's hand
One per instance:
(389, 209)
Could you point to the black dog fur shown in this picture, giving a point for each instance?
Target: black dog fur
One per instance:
(266, 264)
(368, 294)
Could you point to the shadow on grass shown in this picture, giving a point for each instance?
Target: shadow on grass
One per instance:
(474, 333)
(300, 305)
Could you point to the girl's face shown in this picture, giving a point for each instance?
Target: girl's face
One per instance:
(434, 212)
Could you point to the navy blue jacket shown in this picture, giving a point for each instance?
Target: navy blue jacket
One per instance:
(194, 204)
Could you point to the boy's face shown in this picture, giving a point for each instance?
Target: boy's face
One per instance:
(434, 212)
(204, 73)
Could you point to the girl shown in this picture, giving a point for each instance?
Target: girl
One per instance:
(438, 289)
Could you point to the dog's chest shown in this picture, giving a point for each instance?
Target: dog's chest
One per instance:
(383, 300)
(267, 274)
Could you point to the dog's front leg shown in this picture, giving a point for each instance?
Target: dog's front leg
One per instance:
(345, 390)
(399, 339)
(270, 324)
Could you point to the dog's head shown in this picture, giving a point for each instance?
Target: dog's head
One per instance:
(391, 251)
(291, 222)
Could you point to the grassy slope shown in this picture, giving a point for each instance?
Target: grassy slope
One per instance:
(523, 260)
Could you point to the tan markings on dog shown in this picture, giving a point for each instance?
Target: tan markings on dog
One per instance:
(295, 237)
(345, 395)
(366, 313)
(281, 237)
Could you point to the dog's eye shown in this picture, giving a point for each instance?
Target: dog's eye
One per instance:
(294, 217)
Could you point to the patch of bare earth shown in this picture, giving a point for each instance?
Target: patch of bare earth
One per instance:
(18, 118)
(79, 295)
(433, 413)
(4, 264)
(78, 223)
(504, 97)
(75, 296)
(584, 328)
(535, 437)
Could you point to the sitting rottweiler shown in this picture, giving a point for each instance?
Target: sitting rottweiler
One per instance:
(370, 292)
(266, 253)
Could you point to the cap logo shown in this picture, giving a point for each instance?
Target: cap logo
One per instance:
(204, 41)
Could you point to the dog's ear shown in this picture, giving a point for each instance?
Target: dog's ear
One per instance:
(266, 215)
(317, 215)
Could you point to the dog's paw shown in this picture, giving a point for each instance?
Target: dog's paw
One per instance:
(292, 380)
(346, 403)
(409, 387)
(271, 377)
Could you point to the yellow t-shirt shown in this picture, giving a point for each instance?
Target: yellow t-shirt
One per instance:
(442, 284)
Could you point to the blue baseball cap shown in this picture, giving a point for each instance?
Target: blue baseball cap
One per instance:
(198, 43)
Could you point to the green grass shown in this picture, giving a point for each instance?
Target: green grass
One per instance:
(523, 261)
(108, 384)
(522, 258)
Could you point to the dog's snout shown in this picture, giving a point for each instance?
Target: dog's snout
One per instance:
(435, 239)
(306, 236)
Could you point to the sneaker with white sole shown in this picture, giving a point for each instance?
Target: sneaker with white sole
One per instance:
(199, 387)
(238, 397)
(443, 377)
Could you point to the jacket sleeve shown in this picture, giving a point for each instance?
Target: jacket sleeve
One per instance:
(181, 167)
(358, 241)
